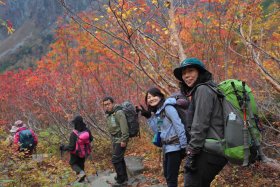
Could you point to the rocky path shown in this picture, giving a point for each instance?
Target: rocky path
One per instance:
(135, 169)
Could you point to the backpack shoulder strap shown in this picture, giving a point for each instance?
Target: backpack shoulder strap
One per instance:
(216, 90)
(220, 96)
(76, 132)
(163, 113)
(115, 112)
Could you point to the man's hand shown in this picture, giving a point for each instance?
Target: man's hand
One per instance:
(123, 144)
(61, 147)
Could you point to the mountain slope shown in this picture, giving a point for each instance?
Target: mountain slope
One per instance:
(34, 22)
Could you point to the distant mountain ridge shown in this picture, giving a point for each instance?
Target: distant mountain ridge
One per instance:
(34, 21)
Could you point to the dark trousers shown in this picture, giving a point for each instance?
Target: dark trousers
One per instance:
(171, 166)
(77, 163)
(119, 162)
(208, 166)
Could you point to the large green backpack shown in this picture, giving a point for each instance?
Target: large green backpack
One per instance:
(241, 142)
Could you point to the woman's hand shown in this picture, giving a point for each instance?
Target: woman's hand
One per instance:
(147, 114)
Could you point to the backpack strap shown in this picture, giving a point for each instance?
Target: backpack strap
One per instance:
(239, 99)
(115, 112)
(76, 132)
(116, 119)
(220, 96)
(216, 90)
(163, 113)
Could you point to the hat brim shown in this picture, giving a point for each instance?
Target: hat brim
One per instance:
(178, 71)
(13, 129)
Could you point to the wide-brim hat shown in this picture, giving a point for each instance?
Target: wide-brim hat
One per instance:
(20, 123)
(14, 129)
(188, 62)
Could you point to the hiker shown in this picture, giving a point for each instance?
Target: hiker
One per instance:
(76, 161)
(164, 118)
(10, 139)
(118, 128)
(25, 140)
(206, 119)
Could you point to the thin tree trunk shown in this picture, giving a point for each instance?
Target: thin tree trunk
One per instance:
(174, 34)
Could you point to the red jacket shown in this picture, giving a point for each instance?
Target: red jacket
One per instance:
(16, 138)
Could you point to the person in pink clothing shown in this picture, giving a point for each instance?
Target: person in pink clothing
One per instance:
(25, 139)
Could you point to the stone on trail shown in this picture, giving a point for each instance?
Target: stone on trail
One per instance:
(134, 165)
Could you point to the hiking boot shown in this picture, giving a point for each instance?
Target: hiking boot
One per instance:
(81, 176)
(119, 184)
(116, 178)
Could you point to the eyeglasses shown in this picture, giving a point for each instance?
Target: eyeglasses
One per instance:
(107, 104)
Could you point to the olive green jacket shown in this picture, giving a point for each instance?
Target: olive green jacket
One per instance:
(117, 125)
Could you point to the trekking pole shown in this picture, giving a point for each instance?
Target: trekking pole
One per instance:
(255, 139)
(257, 144)
(245, 129)
(95, 169)
(36, 152)
(61, 153)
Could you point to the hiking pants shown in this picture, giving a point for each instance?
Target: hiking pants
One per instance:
(208, 166)
(171, 166)
(119, 162)
(77, 163)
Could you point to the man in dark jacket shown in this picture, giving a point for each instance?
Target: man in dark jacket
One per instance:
(205, 120)
(118, 128)
(77, 163)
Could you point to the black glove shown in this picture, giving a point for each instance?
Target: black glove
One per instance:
(147, 114)
(190, 162)
(183, 153)
(138, 109)
(61, 147)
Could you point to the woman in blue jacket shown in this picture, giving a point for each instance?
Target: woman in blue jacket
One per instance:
(163, 117)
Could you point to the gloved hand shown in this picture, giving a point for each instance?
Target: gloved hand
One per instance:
(183, 153)
(61, 147)
(147, 114)
(190, 162)
(138, 109)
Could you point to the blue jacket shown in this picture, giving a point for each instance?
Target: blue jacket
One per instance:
(171, 126)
